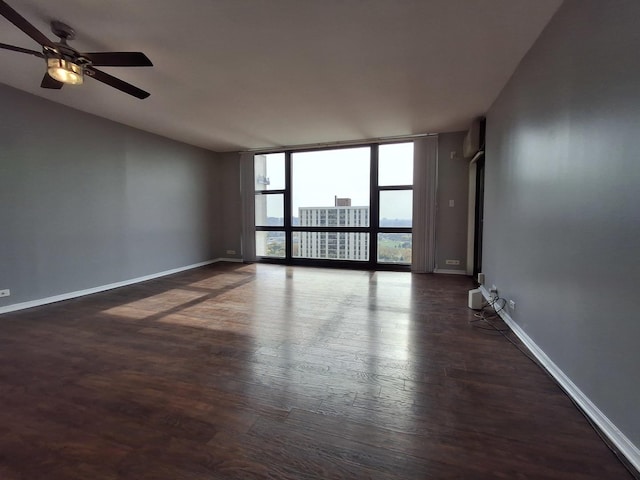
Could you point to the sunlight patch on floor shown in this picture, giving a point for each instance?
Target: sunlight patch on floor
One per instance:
(169, 300)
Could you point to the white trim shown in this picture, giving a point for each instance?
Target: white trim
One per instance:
(102, 288)
(475, 158)
(224, 259)
(617, 438)
(449, 271)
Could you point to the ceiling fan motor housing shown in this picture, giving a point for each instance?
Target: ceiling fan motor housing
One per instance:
(65, 65)
(62, 30)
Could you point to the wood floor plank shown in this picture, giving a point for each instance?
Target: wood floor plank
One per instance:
(236, 371)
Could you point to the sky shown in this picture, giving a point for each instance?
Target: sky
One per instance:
(318, 176)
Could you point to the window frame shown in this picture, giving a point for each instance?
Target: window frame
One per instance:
(372, 230)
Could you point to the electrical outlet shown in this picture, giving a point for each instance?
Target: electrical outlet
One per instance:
(494, 291)
(231, 252)
(452, 262)
(5, 293)
(512, 305)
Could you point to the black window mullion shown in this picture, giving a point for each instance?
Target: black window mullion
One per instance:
(287, 207)
(396, 187)
(268, 229)
(330, 229)
(395, 230)
(374, 208)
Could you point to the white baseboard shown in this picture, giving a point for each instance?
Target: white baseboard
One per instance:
(449, 272)
(236, 260)
(617, 438)
(101, 288)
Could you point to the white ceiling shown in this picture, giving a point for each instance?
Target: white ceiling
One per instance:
(239, 74)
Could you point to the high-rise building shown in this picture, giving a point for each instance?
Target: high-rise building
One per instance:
(261, 183)
(334, 245)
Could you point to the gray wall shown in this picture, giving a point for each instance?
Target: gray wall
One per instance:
(453, 184)
(562, 222)
(85, 202)
(230, 205)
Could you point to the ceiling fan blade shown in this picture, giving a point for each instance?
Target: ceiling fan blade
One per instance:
(19, 21)
(21, 50)
(48, 82)
(118, 59)
(116, 83)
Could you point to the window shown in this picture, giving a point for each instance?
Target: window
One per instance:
(395, 193)
(269, 173)
(337, 205)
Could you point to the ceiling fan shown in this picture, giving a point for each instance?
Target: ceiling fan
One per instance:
(65, 65)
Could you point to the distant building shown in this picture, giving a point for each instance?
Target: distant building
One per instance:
(269, 244)
(334, 245)
(261, 183)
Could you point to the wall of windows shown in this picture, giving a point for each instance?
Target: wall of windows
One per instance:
(350, 206)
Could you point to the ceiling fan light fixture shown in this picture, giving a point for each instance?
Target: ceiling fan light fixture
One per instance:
(65, 71)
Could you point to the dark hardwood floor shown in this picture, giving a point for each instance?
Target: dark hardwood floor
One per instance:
(263, 371)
